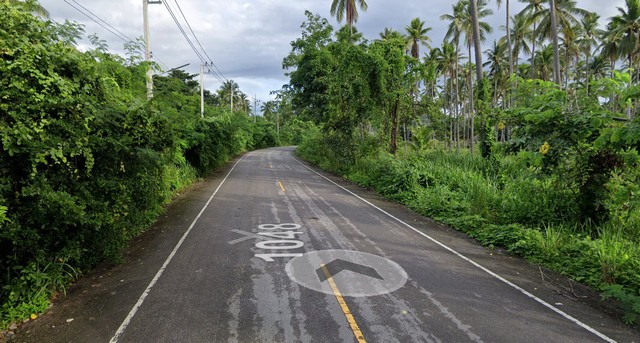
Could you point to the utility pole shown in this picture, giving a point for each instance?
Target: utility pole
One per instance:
(147, 44)
(231, 85)
(202, 90)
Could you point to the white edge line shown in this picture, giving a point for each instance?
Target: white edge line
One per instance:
(544, 303)
(135, 308)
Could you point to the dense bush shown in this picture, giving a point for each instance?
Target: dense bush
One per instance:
(86, 162)
(502, 202)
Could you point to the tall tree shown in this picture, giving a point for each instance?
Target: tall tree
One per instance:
(588, 41)
(348, 8)
(229, 93)
(530, 11)
(387, 33)
(416, 36)
(626, 25)
(475, 22)
(507, 10)
(496, 61)
(561, 15)
(520, 32)
(554, 40)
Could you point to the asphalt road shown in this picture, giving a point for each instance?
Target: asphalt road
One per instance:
(270, 250)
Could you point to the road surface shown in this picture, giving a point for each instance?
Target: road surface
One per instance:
(271, 250)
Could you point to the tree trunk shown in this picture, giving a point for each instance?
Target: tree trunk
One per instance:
(476, 39)
(509, 42)
(478, 49)
(554, 38)
(533, 54)
(394, 127)
(471, 106)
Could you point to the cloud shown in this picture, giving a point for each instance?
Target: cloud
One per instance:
(248, 39)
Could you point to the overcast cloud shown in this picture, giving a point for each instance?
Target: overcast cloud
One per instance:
(247, 39)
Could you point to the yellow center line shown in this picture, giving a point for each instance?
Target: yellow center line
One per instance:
(281, 186)
(343, 305)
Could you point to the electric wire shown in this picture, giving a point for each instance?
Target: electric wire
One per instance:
(175, 19)
(119, 35)
(90, 15)
(177, 22)
(198, 41)
(201, 55)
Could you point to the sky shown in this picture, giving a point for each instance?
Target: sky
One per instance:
(247, 39)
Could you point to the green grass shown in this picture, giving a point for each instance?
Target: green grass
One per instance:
(503, 202)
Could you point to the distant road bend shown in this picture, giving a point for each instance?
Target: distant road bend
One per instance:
(271, 250)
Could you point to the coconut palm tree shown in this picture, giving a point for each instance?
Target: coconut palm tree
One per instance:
(544, 62)
(588, 41)
(497, 58)
(520, 33)
(416, 36)
(626, 27)
(611, 45)
(531, 11)
(348, 8)
(563, 15)
(386, 34)
(465, 19)
(499, 2)
(448, 58)
(475, 6)
(229, 93)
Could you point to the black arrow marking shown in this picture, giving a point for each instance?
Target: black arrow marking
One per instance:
(336, 266)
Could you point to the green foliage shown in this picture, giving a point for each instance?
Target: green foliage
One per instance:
(86, 162)
(504, 202)
(629, 299)
(561, 188)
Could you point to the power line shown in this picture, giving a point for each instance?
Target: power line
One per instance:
(121, 35)
(92, 16)
(166, 4)
(198, 41)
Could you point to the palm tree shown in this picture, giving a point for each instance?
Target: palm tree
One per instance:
(611, 45)
(475, 22)
(243, 103)
(520, 32)
(496, 60)
(626, 26)
(531, 11)
(589, 40)
(341, 7)
(229, 93)
(561, 14)
(448, 58)
(386, 34)
(554, 38)
(417, 35)
(499, 2)
(544, 62)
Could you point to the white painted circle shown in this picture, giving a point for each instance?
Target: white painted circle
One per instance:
(389, 275)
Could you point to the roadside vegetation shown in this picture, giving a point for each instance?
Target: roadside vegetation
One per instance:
(86, 161)
(547, 170)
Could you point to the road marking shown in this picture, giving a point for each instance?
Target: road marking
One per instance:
(474, 263)
(281, 186)
(359, 274)
(147, 290)
(343, 305)
(247, 235)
